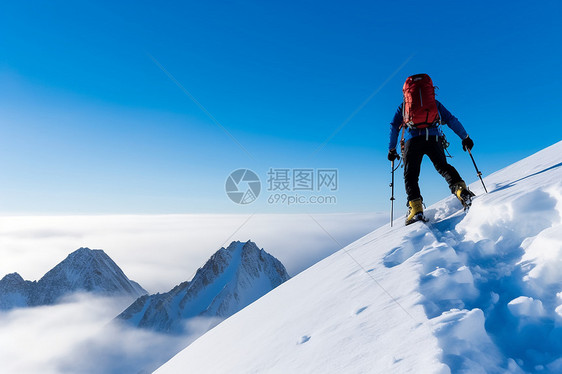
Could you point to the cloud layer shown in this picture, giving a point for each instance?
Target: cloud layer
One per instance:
(79, 336)
(160, 251)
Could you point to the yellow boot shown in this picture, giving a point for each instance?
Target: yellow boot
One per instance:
(463, 194)
(415, 212)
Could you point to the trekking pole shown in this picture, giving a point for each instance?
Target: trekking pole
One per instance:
(392, 193)
(478, 172)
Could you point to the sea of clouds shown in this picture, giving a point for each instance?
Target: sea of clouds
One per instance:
(159, 252)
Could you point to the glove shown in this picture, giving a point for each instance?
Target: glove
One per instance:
(392, 155)
(467, 144)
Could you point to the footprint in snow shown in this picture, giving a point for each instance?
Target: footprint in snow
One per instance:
(303, 339)
(411, 244)
(360, 310)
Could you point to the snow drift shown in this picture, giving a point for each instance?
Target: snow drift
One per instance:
(476, 292)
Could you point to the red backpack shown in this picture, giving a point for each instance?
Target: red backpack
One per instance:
(420, 108)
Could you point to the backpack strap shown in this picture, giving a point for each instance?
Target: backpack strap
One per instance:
(402, 144)
(403, 128)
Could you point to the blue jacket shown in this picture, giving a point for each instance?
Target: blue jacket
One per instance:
(446, 118)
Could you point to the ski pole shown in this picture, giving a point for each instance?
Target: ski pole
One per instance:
(392, 195)
(478, 172)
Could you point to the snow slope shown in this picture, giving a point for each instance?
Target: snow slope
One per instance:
(230, 280)
(476, 292)
(84, 270)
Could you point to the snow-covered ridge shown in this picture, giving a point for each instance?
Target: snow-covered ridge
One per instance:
(231, 279)
(84, 270)
(476, 292)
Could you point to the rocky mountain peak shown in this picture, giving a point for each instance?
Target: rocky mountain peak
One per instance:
(232, 278)
(84, 270)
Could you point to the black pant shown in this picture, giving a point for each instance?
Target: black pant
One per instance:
(414, 151)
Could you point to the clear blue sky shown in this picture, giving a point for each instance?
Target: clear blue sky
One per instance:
(90, 123)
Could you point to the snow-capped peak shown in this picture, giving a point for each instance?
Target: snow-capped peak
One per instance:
(84, 270)
(12, 280)
(230, 280)
(14, 291)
